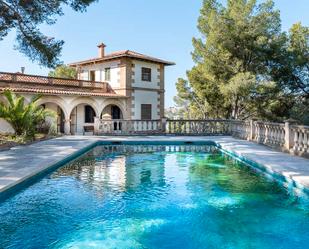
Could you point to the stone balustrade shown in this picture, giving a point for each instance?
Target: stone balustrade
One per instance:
(128, 127)
(198, 127)
(27, 79)
(284, 136)
(299, 139)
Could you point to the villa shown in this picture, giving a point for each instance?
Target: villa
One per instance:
(119, 85)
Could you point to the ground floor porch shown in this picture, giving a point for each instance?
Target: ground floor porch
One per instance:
(75, 115)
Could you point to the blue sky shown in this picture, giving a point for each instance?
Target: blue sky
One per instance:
(161, 28)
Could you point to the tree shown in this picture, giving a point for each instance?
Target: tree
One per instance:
(291, 67)
(245, 66)
(24, 118)
(25, 16)
(63, 71)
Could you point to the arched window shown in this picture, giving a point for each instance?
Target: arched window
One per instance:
(89, 114)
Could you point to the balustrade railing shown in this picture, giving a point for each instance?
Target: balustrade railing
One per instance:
(37, 79)
(197, 127)
(283, 136)
(272, 134)
(300, 139)
(128, 127)
(240, 129)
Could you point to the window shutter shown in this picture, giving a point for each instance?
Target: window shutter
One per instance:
(146, 111)
(146, 74)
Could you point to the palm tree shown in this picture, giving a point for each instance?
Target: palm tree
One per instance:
(24, 118)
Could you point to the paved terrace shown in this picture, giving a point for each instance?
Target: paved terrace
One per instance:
(22, 162)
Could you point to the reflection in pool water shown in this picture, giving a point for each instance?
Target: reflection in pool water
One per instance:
(153, 197)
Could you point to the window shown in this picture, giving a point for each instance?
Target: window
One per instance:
(146, 111)
(89, 114)
(92, 75)
(146, 74)
(107, 74)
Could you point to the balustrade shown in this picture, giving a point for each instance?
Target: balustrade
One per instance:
(197, 127)
(300, 136)
(128, 127)
(36, 79)
(286, 137)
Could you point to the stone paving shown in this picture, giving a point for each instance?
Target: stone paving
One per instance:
(23, 162)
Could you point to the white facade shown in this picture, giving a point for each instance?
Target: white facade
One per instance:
(146, 92)
(145, 97)
(137, 77)
(99, 69)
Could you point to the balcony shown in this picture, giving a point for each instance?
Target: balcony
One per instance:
(26, 81)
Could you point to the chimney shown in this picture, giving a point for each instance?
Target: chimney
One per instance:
(22, 70)
(101, 47)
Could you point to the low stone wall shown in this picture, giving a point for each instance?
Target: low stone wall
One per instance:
(286, 137)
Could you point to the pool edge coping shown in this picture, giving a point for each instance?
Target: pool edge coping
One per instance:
(10, 189)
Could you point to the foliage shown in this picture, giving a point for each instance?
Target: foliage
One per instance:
(291, 69)
(24, 118)
(63, 71)
(25, 16)
(245, 66)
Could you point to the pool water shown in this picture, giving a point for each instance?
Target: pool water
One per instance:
(125, 196)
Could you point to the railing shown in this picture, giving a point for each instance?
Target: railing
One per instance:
(43, 80)
(300, 139)
(172, 127)
(283, 136)
(240, 129)
(197, 127)
(272, 134)
(128, 127)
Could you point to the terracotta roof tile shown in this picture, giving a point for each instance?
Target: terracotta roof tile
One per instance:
(56, 91)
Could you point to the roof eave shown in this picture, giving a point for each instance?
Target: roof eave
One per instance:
(100, 60)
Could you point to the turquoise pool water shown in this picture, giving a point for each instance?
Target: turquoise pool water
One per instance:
(154, 197)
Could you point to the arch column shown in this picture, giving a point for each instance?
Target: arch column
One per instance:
(96, 125)
(67, 126)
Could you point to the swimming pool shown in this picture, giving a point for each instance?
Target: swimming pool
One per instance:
(154, 196)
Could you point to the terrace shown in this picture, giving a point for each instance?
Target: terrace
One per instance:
(18, 82)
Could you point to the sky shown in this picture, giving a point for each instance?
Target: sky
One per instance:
(160, 28)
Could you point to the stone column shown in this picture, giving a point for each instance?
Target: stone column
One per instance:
(67, 127)
(96, 125)
(163, 123)
(251, 135)
(288, 138)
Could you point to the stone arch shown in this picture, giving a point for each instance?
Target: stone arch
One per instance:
(55, 100)
(58, 106)
(78, 114)
(85, 101)
(115, 103)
